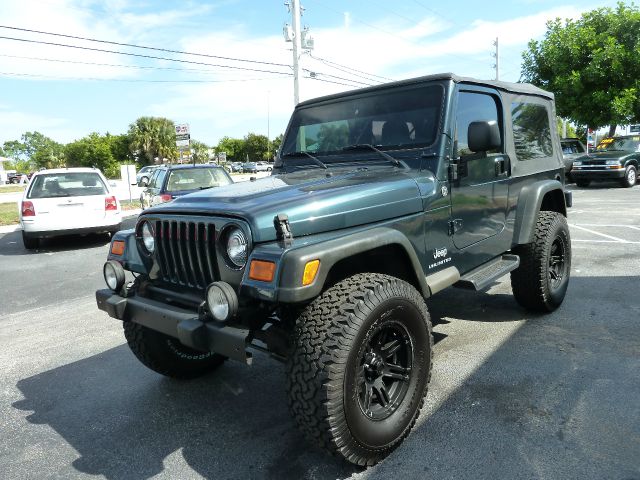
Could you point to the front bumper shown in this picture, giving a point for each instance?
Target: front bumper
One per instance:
(578, 173)
(185, 325)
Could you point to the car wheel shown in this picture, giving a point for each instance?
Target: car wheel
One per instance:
(540, 282)
(583, 183)
(144, 181)
(630, 177)
(14, 180)
(360, 366)
(166, 355)
(30, 243)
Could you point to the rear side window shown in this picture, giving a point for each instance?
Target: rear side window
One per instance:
(67, 184)
(531, 131)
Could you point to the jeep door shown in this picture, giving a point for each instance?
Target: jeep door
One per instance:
(479, 195)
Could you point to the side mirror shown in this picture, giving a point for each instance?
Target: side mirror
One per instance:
(483, 136)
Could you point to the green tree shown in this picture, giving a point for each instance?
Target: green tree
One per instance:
(93, 150)
(592, 65)
(151, 138)
(35, 150)
(275, 145)
(120, 147)
(256, 147)
(233, 147)
(200, 151)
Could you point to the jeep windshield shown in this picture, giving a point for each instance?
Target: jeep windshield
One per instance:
(627, 144)
(339, 130)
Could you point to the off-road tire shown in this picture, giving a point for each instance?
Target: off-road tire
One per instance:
(166, 355)
(583, 183)
(30, 243)
(325, 373)
(537, 285)
(630, 177)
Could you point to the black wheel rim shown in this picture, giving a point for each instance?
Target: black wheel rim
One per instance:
(384, 371)
(557, 262)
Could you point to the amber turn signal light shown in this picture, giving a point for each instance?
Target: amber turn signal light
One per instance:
(262, 270)
(310, 272)
(117, 247)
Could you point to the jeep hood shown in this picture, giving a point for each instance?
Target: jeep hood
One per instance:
(314, 202)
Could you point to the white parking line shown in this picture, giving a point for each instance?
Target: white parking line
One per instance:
(619, 240)
(602, 225)
(623, 242)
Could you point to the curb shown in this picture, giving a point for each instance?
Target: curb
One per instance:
(17, 227)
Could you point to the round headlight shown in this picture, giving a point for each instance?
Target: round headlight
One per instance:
(222, 301)
(237, 247)
(147, 237)
(113, 275)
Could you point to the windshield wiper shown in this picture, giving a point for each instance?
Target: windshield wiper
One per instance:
(301, 153)
(363, 146)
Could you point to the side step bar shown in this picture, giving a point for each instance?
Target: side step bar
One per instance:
(483, 276)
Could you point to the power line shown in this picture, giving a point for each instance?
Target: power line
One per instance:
(313, 72)
(35, 75)
(158, 49)
(153, 57)
(336, 83)
(344, 68)
(142, 67)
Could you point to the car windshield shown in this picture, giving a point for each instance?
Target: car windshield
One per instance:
(389, 120)
(196, 178)
(621, 143)
(67, 184)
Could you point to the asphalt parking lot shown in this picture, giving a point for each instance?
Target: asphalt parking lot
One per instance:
(513, 395)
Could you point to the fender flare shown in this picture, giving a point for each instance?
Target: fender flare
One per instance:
(529, 202)
(331, 252)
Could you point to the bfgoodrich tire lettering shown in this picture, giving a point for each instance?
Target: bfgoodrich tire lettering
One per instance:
(166, 355)
(336, 340)
(540, 282)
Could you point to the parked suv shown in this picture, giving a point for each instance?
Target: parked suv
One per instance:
(572, 148)
(172, 181)
(616, 158)
(379, 199)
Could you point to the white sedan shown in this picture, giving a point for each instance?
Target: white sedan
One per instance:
(67, 201)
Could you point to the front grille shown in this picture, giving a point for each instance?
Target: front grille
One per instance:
(186, 252)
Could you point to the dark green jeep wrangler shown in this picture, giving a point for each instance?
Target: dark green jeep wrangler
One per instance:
(616, 158)
(379, 198)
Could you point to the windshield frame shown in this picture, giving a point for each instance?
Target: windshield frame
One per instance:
(340, 156)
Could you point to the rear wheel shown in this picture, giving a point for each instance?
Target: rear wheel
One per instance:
(360, 366)
(144, 181)
(540, 282)
(630, 177)
(166, 355)
(30, 243)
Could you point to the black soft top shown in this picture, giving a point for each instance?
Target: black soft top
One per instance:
(517, 88)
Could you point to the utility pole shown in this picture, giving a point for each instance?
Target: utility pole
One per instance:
(301, 40)
(497, 56)
(292, 34)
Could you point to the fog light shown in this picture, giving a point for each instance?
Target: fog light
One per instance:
(113, 275)
(222, 301)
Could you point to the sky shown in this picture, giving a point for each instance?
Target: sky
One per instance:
(67, 92)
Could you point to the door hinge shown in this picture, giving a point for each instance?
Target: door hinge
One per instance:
(455, 226)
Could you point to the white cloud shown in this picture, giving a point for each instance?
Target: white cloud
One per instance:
(14, 123)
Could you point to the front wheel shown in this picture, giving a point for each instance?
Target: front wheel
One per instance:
(630, 177)
(360, 366)
(166, 355)
(540, 282)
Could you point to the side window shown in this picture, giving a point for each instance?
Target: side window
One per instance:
(152, 180)
(476, 107)
(160, 179)
(531, 131)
